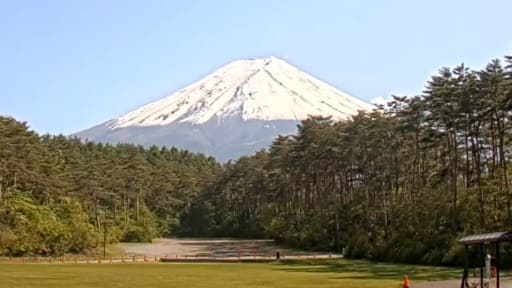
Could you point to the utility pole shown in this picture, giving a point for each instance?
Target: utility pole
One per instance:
(105, 236)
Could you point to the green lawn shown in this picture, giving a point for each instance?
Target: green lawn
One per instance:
(340, 273)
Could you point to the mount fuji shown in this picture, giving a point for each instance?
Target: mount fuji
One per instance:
(235, 111)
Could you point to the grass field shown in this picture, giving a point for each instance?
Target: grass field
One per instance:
(339, 273)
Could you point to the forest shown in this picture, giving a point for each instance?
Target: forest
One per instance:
(400, 183)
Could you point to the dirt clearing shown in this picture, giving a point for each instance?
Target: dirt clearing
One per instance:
(218, 248)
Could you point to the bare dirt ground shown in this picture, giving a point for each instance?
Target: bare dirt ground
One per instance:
(217, 248)
(504, 283)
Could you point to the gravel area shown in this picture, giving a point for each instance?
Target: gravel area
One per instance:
(504, 283)
(210, 247)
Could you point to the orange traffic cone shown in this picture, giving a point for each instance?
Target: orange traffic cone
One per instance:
(406, 281)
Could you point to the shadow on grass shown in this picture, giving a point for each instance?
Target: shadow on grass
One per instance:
(360, 269)
(240, 247)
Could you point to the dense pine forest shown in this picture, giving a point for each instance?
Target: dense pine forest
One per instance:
(59, 195)
(400, 183)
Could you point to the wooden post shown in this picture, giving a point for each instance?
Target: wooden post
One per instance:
(122, 259)
(466, 266)
(110, 260)
(76, 260)
(497, 264)
(482, 264)
(1, 182)
(99, 260)
(133, 259)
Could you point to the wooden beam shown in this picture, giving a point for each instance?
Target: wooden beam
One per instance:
(497, 264)
(482, 264)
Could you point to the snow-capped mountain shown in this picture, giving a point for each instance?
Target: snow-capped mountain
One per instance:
(237, 109)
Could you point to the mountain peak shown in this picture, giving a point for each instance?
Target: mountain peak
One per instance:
(255, 89)
(234, 111)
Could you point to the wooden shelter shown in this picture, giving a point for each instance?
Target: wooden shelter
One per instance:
(480, 240)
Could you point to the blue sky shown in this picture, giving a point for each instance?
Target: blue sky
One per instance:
(68, 65)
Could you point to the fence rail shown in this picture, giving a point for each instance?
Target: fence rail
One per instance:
(202, 257)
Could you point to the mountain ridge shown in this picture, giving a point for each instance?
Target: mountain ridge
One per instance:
(232, 90)
(239, 108)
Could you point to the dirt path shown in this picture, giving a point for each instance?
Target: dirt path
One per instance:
(504, 283)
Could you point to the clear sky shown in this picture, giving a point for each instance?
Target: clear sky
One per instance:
(67, 65)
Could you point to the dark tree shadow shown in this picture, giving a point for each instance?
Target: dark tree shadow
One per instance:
(360, 269)
(243, 248)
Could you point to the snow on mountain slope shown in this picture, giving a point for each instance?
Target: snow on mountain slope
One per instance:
(260, 89)
(237, 110)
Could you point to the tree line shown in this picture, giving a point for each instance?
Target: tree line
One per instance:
(400, 183)
(60, 195)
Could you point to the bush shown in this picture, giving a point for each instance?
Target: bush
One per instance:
(31, 228)
(137, 234)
